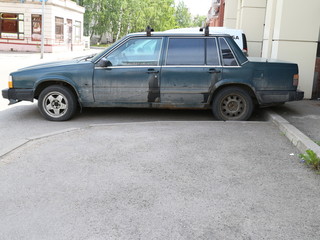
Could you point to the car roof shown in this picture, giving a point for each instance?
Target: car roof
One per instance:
(175, 34)
(193, 31)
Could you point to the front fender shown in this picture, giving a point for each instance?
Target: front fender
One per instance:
(54, 79)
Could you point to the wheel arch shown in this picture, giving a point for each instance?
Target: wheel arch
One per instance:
(243, 86)
(50, 82)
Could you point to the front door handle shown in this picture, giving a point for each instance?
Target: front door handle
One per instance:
(213, 70)
(151, 70)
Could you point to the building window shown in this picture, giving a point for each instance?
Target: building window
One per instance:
(77, 31)
(59, 29)
(36, 27)
(11, 25)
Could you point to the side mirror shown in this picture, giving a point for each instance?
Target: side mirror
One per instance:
(104, 63)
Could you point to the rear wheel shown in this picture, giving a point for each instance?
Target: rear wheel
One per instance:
(57, 103)
(232, 103)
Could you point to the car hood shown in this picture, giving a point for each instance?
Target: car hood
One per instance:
(50, 64)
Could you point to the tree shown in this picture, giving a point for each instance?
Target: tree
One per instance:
(122, 17)
(183, 16)
(199, 21)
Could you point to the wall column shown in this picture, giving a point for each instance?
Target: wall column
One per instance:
(291, 34)
(251, 19)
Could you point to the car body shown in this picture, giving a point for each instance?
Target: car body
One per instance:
(159, 70)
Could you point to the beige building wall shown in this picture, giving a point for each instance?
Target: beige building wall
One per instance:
(251, 19)
(291, 34)
(281, 29)
(230, 14)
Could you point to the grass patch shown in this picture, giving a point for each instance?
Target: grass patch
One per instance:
(311, 159)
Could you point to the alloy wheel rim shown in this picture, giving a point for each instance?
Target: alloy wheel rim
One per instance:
(55, 104)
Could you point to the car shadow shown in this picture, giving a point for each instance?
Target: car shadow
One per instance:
(30, 112)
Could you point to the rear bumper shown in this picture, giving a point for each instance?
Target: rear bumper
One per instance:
(270, 97)
(18, 94)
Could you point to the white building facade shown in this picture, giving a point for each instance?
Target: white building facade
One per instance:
(21, 25)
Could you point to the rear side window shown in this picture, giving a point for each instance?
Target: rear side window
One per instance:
(212, 52)
(227, 55)
(186, 51)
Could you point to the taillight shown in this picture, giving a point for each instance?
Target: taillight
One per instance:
(295, 80)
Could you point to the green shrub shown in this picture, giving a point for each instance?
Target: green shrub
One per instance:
(311, 159)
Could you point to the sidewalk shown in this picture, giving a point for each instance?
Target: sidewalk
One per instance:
(304, 115)
(300, 122)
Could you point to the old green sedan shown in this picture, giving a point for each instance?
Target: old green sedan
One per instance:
(159, 70)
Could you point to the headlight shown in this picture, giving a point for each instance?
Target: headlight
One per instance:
(10, 84)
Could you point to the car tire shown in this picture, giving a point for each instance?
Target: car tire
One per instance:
(232, 104)
(57, 103)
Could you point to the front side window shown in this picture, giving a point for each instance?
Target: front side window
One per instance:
(59, 29)
(186, 51)
(137, 52)
(227, 55)
(12, 25)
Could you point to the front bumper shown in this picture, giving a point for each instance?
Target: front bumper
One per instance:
(270, 97)
(18, 94)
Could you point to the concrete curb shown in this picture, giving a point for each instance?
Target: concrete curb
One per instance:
(298, 139)
(8, 149)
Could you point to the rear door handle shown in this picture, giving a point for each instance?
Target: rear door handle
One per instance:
(213, 70)
(151, 70)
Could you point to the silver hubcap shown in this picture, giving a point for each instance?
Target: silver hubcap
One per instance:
(232, 106)
(55, 104)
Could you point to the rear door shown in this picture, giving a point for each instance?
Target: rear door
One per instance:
(191, 67)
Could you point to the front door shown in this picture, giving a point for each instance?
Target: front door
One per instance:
(132, 74)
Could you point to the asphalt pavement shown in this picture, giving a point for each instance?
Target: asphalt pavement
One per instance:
(159, 180)
(156, 174)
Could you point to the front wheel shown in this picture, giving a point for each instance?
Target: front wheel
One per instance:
(57, 103)
(232, 103)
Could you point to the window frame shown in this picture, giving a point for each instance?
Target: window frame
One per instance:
(77, 28)
(19, 21)
(32, 26)
(60, 38)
